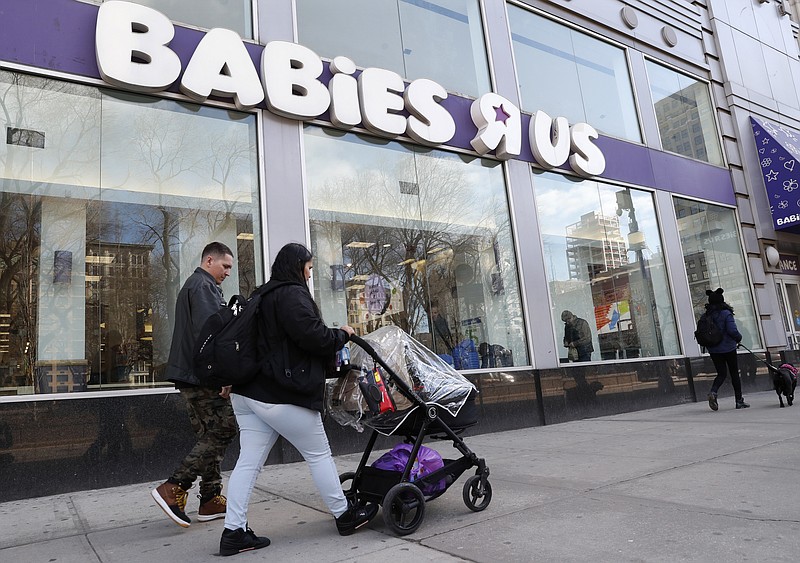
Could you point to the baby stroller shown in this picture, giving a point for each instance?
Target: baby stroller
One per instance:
(438, 401)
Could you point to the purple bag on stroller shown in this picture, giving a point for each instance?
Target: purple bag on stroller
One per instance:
(428, 461)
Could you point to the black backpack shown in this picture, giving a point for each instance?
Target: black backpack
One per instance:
(226, 351)
(707, 333)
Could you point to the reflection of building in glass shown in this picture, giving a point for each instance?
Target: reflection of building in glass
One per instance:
(622, 300)
(697, 275)
(680, 121)
(615, 321)
(367, 313)
(411, 274)
(700, 264)
(595, 245)
(119, 327)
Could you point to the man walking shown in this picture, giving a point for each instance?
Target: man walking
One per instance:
(210, 410)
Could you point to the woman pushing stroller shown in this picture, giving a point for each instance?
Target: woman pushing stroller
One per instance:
(286, 399)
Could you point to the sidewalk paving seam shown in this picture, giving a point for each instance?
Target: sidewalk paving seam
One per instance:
(691, 463)
(649, 503)
(79, 522)
(690, 421)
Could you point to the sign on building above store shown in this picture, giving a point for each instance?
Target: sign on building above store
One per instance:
(779, 154)
(133, 53)
(789, 264)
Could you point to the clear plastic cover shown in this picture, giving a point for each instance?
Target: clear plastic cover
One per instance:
(431, 379)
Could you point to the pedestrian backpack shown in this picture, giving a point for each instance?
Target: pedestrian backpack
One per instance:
(707, 333)
(226, 351)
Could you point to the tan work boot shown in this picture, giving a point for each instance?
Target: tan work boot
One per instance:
(172, 500)
(212, 507)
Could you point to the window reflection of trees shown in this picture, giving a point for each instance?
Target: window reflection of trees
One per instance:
(135, 226)
(19, 266)
(168, 154)
(70, 135)
(429, 231)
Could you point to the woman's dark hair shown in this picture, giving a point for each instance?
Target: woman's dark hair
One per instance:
(289, 263)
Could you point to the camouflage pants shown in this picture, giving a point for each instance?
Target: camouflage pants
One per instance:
(215, 426)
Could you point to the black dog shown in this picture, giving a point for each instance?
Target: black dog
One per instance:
(784, 379)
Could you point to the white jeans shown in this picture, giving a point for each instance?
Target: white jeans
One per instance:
(259, 427)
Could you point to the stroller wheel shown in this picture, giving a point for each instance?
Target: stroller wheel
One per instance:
(475, 497)
(403, 508)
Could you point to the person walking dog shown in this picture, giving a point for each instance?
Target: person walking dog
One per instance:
(724, 354)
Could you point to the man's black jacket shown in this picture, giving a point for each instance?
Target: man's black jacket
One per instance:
(199, 298)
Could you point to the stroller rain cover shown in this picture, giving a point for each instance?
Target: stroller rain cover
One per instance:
(431, 378)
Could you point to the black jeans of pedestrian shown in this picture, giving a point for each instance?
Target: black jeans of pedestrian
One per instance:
(724, 363)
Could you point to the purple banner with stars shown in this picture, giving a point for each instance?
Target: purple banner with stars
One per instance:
(779, 154)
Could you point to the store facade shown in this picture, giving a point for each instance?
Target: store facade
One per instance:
(467, 170)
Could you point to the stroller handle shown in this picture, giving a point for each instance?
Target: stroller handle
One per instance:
(363, 344)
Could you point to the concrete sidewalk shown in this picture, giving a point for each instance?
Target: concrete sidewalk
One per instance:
(680, 483)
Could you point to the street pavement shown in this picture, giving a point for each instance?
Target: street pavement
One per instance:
(680, 483)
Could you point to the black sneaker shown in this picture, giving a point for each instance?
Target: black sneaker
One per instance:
(354, 518)
(740, 404)
(712, 401)
(237, 541)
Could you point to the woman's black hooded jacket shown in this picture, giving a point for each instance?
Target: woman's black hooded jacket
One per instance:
(289, 314)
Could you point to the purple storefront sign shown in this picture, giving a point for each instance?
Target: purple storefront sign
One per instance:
(59, 35)
(779, 155)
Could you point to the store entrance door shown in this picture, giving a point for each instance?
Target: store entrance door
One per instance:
(789, 296)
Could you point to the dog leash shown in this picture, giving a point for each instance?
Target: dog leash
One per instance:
(765, 362)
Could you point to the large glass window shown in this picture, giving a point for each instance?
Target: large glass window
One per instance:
(685, 115)
(230, 14)
(437, 39)
(415, 238)
(712, 252)
(605, 264)
(106, 202)
(564, 72)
